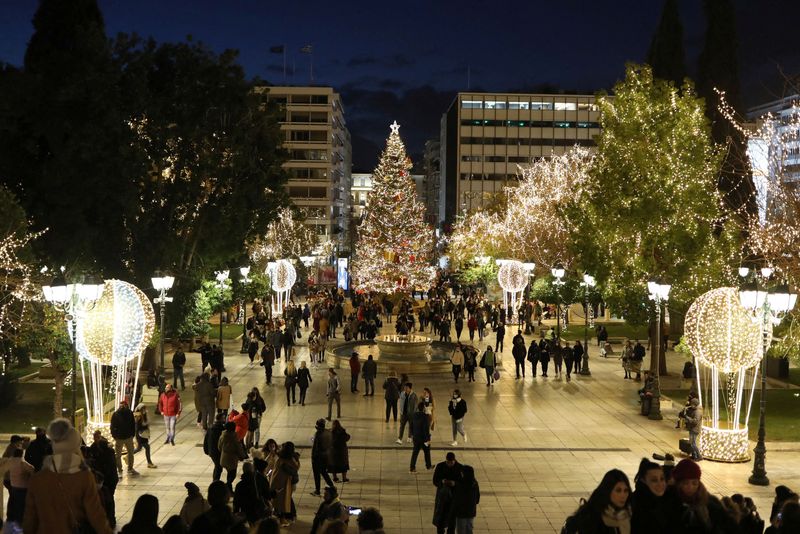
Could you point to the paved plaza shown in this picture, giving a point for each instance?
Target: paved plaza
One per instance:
(537, 445)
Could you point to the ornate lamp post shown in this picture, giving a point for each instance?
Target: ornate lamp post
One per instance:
(244, 271)
(767, 309)
(529, 267)
(162, 283)
(588, 282)
(73, 299)
(222, 277)
(659, 293)
(558, 273)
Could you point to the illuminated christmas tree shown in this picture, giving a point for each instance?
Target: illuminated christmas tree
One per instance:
(395, 243)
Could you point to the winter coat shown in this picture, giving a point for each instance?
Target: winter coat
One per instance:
(420, 428)
(211, 442)
(193, 508)
(37, 450)
(217, 521)
(242, 422)
(685, 520)
(123, 425)
(169, 403)
(519, 352)
(458, 358)
(457, 408)
(392, 387)
(231, 450)
(370, 369)
(339, 458)
(224, 397)
(248, 499)
(407, 409)
(284, 477)
(466, 495)
(533, 352)
(205, 396)
(355, 365)
(320, 449)
(648, 512)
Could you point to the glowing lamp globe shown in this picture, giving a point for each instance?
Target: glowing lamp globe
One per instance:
(283, 275)
(720, 332)
(512, 276)
(119, 326)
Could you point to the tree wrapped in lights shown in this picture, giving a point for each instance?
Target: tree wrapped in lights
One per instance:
(650, 204)
(477, 234)
(394, 243)
(286, 237)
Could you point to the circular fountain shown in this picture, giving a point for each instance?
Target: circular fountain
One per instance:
(404, 345)
(410, 353)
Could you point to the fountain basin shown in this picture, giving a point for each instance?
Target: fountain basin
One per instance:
(408, 345)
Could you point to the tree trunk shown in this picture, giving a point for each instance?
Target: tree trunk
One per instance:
(58, 398)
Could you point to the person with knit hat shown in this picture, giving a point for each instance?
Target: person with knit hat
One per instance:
(607, 510)
(690, 507)
(63, 495)
(194, 506)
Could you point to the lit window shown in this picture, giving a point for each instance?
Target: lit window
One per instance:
(542, 105)
(471, 104)
(566, 106)
(495, 104)
(519, 105)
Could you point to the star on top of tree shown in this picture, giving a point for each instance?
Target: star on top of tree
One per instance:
(395, 127)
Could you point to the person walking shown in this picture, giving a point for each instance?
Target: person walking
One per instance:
(143, 433)
(64, 493)
(518, 351)
(267, 361)
(533, 356)
(169, 404)
(255, 410)
(320, 455)
(206, 400)
(421, 437)
(430, 407)
(334, 394)
(391, 394)
(626, 356)
(457, 361)
(252, 346)
(339, 461)
(303, 381)
(211, 444)
(567, 353)
(458, 409)
(284, 479)
(577, 357)
(445, 477)
(466, 496)
(544, 355)
(287, 339)
(224, 395)
(488, 362)
(355, 370)
(290, 382)
(178, 363)
(501, 334)
(369, 371)
(231, 452)
(123, 429)
(472, 325)
(636, 362)
(558, 357)
(408, 406)
(470, 363)
(459, 325)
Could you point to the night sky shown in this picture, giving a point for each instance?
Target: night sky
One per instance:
(405, 61)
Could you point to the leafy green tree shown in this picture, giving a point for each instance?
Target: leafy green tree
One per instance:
(666, 55)
(44, 336)
(651, 207)
(66, 148)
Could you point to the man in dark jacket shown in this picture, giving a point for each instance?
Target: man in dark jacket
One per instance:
(104, 460)
(445, 477)
(466, 496)
(577, 356)
(123, 428)
(211, 444)
(501, 334)
(518, 351)
(421, 437)
(355, 370)
(369, 371)
(38, 449)
(178, 361)
(247, 499)
(330, 511)
(320, 451)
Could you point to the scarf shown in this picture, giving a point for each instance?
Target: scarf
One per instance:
(619, 519)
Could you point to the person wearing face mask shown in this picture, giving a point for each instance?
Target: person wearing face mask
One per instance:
(689, 506)
(606, 511)
(647, 502)
(458, 409)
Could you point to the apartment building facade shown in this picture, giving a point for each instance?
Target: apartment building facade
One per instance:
(320, 158)
(485, 136)
(431, 183)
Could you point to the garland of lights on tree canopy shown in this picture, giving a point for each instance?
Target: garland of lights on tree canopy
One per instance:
(394, 244)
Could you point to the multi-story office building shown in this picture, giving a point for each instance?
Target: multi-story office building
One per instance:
(484, 136)
(431, 163)
(362, 185)
(320, 154)
(779, 157)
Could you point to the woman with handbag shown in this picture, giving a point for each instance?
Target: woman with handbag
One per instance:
(290, 382)
(143, 433)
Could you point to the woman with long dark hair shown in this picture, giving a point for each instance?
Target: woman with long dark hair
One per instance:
(647, 503)
(607, 510)
(144, 519)
(339, 454)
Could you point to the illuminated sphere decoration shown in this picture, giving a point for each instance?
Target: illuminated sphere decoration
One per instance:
(512, 276)
(119, 326)
(720, 332)
(283, 275)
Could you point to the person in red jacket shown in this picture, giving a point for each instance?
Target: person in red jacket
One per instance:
(241, 419)
(169, 404)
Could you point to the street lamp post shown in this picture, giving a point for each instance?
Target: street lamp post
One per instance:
(658, 293)
(767, 308)
(162, 283)
(244, 271)
(529, 267)
(222, 277)
(73, 299)
(588, 282)
(558, 273)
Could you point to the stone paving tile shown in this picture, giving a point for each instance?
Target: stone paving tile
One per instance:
(552, 442)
